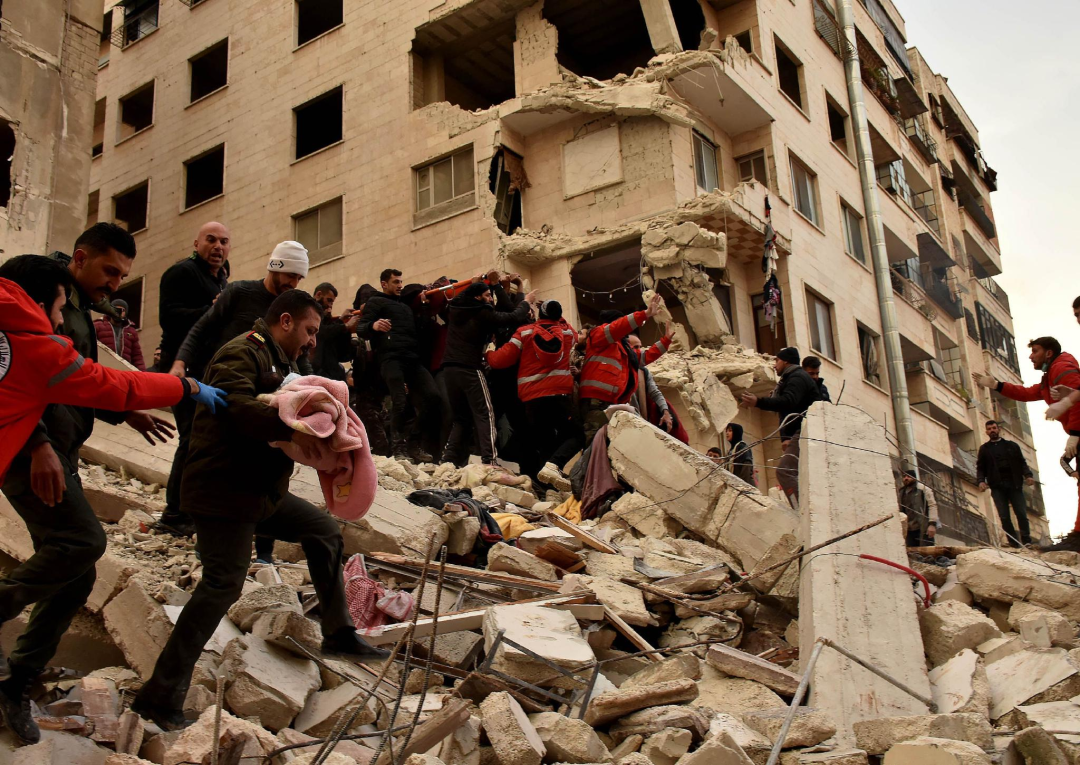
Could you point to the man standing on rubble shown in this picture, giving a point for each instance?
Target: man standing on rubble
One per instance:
(1001, 467)
(236, 485)
(334, 344)
(920, 506)
(1059, 369)
(794, 394)
(233, 313)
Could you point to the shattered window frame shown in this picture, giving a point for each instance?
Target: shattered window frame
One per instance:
(705, 159)
(427, 177)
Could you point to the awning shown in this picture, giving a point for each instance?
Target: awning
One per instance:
(910, 103)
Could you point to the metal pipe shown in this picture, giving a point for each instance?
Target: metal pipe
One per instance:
(879, 257)
(882, 674)
(796, 700)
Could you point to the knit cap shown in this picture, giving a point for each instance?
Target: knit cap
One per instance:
(790, 355)
(289, 258)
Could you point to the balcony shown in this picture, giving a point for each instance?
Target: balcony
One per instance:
(140, 19)
(925, 206)
(939, 395)
(920, 138)
(829, 31)
(996, 292)
(944, 294)
(975, 211)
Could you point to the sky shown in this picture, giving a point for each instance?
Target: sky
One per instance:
(1012, 66)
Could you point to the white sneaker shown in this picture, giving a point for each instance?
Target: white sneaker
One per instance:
(550, 474)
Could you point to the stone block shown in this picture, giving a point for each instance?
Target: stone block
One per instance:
(461, 534)
(733, 695)
(1000, 647)
(953, 589)
(683, 666)
(113, 574)
(667, 746)
(756, 746)
(1037, 747)
(645, 515)
(732, 661)
(615, 704)
(394, 525)
(1017, 678)
(266, 681)
(511, 560)
(278, 627)
(960, 685)
(653, 720)
(455, 649)
(879, 736)
(1041, 627)
(835, 757)
(569, 739)
(1002, 576)
(195, 742)
(324, 709)
(809, 727)
(353, 749)
(950, 627)
(936, 751)
(719, 750)
(515, 496)
(110, 504)
(122, 758)
(551, 633)
(626, 601)
(462, 747)
(260, 601)
(58, 748)
(512, 736)
(139, 626)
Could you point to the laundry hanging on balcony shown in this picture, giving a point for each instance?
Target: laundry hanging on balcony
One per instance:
(772, 297)
(769, 258)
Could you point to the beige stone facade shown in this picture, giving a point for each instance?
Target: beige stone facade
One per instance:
(606, 118)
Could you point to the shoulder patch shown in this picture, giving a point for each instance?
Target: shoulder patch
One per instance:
(5, 355)
(257, 339)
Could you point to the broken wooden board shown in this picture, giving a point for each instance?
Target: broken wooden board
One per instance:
(433, 730)
(587, 538)
(472, 574)
(632, 635)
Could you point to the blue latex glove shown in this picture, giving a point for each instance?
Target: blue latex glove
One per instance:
(212, 397)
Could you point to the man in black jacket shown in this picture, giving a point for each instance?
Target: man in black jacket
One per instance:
(812, 365)
(334, 344)
(473, 321)
(391, 325)
(794, 394)
(1001, 467)
(188, 290)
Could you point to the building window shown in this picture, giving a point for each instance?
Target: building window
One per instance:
(319, 230)
(209, 70)
(140, 19)
(752, 168)
(869, 356)
(446, 180)
(838, 126)
(93, 201)
(705, 164)
(130, 207)
(789, 73)
(853, 236)
(204, 176)
(769, 339)
(935, 110)
(316, 17)
(136, 111)
(996, 339)
(804, 189)
(318, 122)
(99, 128)
(745, 41)
(819, 313)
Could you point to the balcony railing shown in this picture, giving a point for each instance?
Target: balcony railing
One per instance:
(891, 177)
(829, 31)
(995, 289)
(942, 293)
(139, 21)
(906, 288)
(926, 145)
(974, 209)
(925, 204)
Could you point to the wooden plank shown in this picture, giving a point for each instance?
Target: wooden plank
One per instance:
(557, 555)
(732, 661)
(429, 733)
(632, 635)
(593, 612)
(572, 528)
(472, 574)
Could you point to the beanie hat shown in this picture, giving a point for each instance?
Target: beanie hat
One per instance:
(790, 355)
(475, 290)
(289, 258)
(551, 310)
(118, 304)
(910, 474)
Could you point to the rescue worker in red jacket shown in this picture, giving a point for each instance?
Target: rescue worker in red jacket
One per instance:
(40, 370)
(546, 386)
(119, 335)
(609, 373)
(1058, 369)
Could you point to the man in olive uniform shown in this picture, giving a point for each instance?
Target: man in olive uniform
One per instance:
(236, 485)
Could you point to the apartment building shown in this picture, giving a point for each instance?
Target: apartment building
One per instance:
(551, 137)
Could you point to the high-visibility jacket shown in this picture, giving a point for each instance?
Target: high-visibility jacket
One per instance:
(38, 368)
(542, 352)
(1063, 371)
(607, 374)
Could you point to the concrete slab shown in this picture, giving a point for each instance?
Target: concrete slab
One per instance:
(1016, 678)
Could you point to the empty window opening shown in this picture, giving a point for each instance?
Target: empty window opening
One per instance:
(7, 149)
(507, 180)
(318, 122)
(132, 294)
(588, 44)
(745, 41)
(319, 230)
(853, 236)
(769, 339)
(752, 168)
(689, 21)
(209, 70)
(140, 19)
(838, 126)
(105, 41)
(705, 172)
(869, 356)
(804, 189)
(204, 176)
(789, 73)
(819, 313)
(446, 180)
(93, 202)
(99, 128)
(316, 17)
(130, 207)
(136, 111)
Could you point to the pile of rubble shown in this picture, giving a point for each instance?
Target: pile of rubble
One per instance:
(674, 628)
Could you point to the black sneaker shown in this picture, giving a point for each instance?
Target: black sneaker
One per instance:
(1071, 543)
(15, 706)
(166, 719)
(345, 642)
(176, 524)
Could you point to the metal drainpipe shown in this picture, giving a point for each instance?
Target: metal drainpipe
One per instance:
(889, 327)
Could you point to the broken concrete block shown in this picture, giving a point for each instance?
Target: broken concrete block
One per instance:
(1016, 678)
(462, 534)
(719, 750)
(195, 742)
(352, 749)
(626, 601)
(58, 748)
(198, 699)
(1041, 627)
(880, 735)
(1063, 717)
(834, 757)
(394, 525)
(130, 733)
(463, 745)
(100, 704)
(551, 633)
(122, 758)
(936, 751)
(324, 709)
(732, 661)
(645, 515)
(679, 667)
(950, 627)
(995, 575)
(667, 746)
(512, 736)
(809, 727)
(113, 574)
(953, 589)
(281, 627)
(267, 682)
(569, 739)
(139, 626)
(1038, 747)
(733, 695)
(615, 704)
(646, 722)
(454, 649)
(334, 758)
(960, 685)
(1000, 647)
(511, 560)
(696, 629)
(756, 746)
(263, 600)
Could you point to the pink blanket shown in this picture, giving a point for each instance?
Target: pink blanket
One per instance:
(330, 438)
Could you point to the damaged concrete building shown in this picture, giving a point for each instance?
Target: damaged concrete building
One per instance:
(601, 150)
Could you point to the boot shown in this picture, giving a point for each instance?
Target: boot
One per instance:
(347, 643)
(166, 719)
(550, 474)
(15, 704)
(417, 454)
(177, 524)
(1071, 543)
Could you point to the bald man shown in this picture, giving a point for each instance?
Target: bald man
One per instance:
(188, 289)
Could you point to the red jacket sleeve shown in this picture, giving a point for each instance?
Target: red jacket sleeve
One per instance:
(653, 352)
(1021, 392)
(506, 355)
(65, 377)
(1067, 374)
(609, 334)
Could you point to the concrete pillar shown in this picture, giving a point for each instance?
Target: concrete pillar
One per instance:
(537, 41)
(661, 23)
(846, 481)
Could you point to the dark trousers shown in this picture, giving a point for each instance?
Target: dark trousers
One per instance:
(470, 402)
(225, 549)
(184, 414)
(58, 577)
(592, 416)
(409, 382)
(555, 430)
(369, 408)
(1003, 497)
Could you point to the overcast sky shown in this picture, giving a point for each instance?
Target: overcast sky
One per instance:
(1005, 61)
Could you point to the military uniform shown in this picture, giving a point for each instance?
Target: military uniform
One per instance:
(236, 485)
